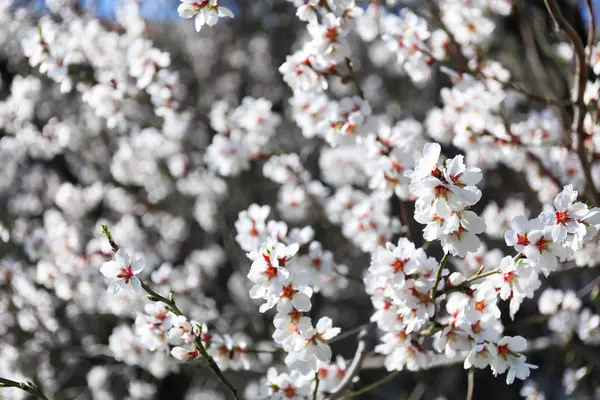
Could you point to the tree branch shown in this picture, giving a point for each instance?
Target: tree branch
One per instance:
(355, 366)
(172, 306)
(579, 109)
(28, 387)
(591, 31)
(438, 277)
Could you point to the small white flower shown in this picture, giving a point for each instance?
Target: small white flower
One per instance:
(123, 271)
(184, 354)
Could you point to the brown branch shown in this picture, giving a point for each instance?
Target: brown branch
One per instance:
(172, 306)
(591, 31)
(579, 109)
(404, 216)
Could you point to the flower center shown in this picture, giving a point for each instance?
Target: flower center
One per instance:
(562, 217)
(271, 272)
(543, 244)
(480, 306)
(126, 273)
(398, 265)
(290, 392)
(503, 351)
(522, 239)
(288, 292)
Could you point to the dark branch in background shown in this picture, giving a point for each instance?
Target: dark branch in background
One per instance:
(172, 306)
(540, 74)
(579, 109)
(372, 385)
(356, 364)
(591, 31)
(404, 216)
(28, 387)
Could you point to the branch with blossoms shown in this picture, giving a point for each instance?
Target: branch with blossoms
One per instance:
(124, 271)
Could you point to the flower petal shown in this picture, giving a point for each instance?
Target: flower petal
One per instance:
(136, 284)
(110, 269)
(115, 286)
(137, 264)
(123, 257)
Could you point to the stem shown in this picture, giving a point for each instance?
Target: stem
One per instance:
(372, 385)
(213, 365)
(438, 277)
(359, 90)
(470, 383)
(153, 296)
(172, 306)
(346, 334)
(28, 387)
(316, 391)
(112, 243)
(468, 282)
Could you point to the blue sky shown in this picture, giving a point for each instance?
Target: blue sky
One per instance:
(165, 10)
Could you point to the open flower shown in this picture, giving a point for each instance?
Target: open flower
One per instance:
(123, 271)
(207, 12)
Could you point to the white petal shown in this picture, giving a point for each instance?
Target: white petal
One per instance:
(226, 12)
(123, 257)
(323, 352)
(110, 269)
(324, 324)
(292, 250)
(301, 302)
(331, 333)
(186, 10)
(116, 286)
(199, 21)
(138, 264)
(136, 284)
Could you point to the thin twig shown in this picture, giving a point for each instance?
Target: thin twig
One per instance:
(356, 363)
(372, 385)
(470, 383)
(438, 277)
(346, 334)
(591, 31)
(579, 108)
(172, 306)
(353, 79)
(28, 387)
(465, 284)
(316, 391)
